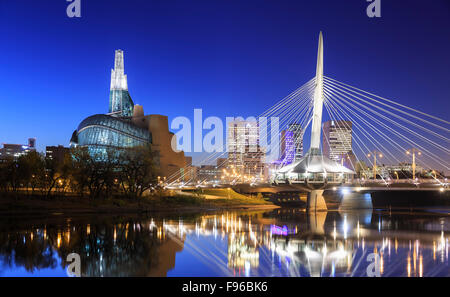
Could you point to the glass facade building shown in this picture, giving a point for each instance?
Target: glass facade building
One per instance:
(114, 130)
(100, 132)
(120, 103)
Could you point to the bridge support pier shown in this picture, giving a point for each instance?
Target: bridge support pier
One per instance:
(316, 202)
(316, 222)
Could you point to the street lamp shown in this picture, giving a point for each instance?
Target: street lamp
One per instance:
(413, 152)
(375, 153)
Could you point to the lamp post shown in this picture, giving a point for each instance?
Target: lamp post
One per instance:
(374, 154)
(413, 152)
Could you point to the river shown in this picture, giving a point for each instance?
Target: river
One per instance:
(280, 242)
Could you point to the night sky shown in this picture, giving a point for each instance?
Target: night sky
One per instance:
(231, 58)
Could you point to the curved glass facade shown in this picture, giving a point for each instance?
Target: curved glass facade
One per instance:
(100, 132)
(115, 130)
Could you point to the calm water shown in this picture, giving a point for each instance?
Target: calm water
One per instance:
(284, 242)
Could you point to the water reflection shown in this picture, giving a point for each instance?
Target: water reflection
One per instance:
(284, 242)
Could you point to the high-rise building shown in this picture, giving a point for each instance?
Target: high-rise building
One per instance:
(287, 147)
(337, 139)
(297, 139)
(125, 126)
(245, 154)
(291, 145)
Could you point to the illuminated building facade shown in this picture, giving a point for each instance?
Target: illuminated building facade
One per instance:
(17, 150)
(126, 126)
(337, 139)
(287, 147)
(208, 173)
(297, 139)
(245, 155)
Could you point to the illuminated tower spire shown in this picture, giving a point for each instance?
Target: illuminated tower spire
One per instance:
(318, 101)
(118, 76)
(120, 103)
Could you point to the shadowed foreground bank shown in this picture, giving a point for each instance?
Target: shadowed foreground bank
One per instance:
(168, 202)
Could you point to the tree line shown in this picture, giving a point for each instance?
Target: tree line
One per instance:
(127, 172)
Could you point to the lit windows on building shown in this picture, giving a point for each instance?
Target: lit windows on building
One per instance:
(17, 150)
(297, 139)
(245, 154)
(337, 139)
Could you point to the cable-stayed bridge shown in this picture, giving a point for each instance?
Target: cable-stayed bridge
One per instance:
(382, 130)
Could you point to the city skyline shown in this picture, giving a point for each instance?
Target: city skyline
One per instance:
(37, 94)
(228, 138)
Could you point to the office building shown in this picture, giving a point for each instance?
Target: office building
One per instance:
(17, 150)
(245, 154)
(57, 153)
(297, 140)
(337, 139)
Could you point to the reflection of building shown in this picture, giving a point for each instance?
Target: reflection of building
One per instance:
(337, 139)
(56, 153)
(242, 251)
(167, 251)
(315, 244)
(244, 152)
(126, 126)
(17, 150)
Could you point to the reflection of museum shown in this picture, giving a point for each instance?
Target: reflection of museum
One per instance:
(284, 242)
(125, 125)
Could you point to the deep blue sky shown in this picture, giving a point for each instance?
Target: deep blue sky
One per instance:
(228, 57)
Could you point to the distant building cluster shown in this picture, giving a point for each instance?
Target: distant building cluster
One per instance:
(17, 150)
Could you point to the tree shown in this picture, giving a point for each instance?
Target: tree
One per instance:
(95, 173)
(31, 167)
(55, 173)
(10, 175)
(138, 170)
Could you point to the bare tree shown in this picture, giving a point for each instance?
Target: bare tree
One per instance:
(138, 171)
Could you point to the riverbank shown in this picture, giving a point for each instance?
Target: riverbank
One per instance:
(181, 202)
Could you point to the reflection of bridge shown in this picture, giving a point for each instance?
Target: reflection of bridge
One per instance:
(322, 243)
(284, 242)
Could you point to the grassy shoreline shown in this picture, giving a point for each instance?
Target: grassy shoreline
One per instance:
(181, 202)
